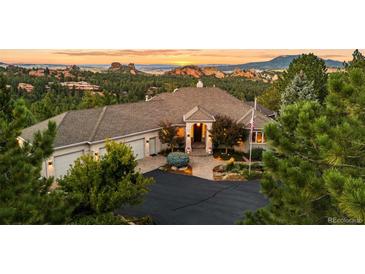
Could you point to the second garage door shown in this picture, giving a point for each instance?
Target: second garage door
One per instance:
(137, 147)
(63, 163)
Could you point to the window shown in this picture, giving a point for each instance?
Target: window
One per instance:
(258, 137)
(180, 132)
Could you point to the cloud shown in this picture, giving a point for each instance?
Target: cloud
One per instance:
(333, 56)
(126, 52)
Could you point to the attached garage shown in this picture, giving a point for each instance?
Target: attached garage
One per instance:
(62, 163)
(137, 147)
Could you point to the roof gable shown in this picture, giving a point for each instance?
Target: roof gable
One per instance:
(198, 114)
(260, 120)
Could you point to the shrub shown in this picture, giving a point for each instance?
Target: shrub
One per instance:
(178, 159)
(101, 219)
(257, 154)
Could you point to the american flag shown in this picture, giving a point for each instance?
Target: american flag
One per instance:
(251, 132)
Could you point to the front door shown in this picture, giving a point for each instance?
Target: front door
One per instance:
(198, 128)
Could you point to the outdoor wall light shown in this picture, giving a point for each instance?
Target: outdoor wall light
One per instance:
(147, 141)
(50, 163)
(188, 135)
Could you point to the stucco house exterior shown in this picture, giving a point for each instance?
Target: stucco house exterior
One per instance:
(191, 109)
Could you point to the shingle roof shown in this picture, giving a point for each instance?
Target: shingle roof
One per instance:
(98, 124)
(262, 109)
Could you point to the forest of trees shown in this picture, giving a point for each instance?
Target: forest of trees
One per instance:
(49, 98)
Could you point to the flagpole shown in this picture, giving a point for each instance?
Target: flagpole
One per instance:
(251, 133)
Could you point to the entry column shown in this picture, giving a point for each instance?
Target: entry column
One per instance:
(208, 139)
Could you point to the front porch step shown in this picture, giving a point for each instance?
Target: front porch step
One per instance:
(199, 153)
(198, 145)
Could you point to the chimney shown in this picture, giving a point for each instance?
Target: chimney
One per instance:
(199, 84)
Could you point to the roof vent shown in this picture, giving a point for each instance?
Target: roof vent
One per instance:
(199, 84)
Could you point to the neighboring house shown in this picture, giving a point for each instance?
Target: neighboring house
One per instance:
(80, 85)
(25, 86)
(267, 112)
(192, 110)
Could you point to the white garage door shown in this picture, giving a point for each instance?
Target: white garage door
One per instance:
(137, 147)
(153, 148)
(62, 163)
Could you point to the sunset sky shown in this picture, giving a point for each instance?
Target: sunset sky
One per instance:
(157, 56)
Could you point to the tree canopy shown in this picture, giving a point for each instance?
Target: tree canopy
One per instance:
(298, 89)
(309, 64)
(24, 197)
(358, 61)
(226, 133)
(99, 187)
(314, 173)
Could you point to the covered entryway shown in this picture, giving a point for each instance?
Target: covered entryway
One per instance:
(198, 123)
(62, 163)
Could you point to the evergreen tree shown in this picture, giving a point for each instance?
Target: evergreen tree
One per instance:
(99, 187)
(315, 70)
(358, 61)
(299, 89)
(24, 197)
(315, 172)
(270, 99)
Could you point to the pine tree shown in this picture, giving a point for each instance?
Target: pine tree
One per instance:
(299, 89)
(315, 70)
(24, 197)
(315, 172)
(358, 61)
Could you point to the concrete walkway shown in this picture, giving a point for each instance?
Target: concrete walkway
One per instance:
(203, 166)
(150, 163)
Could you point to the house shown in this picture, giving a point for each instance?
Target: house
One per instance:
(25, 86)
(82, 85)
(37, 73)
(192, 110)
(267, 112)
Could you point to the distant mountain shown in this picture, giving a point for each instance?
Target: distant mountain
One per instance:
(196, 71)
(280, 62)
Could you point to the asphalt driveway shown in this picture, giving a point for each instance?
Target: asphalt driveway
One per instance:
(181, 199)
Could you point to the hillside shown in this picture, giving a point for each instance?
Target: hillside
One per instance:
(128, 69)
(198, 72)
(280, 62)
